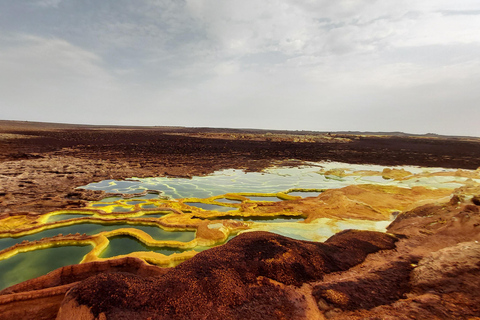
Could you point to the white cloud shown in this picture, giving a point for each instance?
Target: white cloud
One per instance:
(47, 3)
(51, 78)
(295, 64)
(326, 27)
(250, 26)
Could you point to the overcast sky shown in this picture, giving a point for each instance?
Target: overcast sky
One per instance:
(325, 65)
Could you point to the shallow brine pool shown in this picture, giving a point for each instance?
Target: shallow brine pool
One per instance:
(177, 215)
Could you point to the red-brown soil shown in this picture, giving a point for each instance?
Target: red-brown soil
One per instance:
(226, 282)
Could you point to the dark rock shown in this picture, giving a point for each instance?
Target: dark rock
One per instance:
(476, 200)
(225, 282)
(381, 287)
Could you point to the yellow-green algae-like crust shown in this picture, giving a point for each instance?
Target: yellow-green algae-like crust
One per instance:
(149, 256)
(101, 241)
(351, 204)
(174, 220)
(370, 202)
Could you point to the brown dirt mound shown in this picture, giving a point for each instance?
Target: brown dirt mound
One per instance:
(40, 298)
(234, 281)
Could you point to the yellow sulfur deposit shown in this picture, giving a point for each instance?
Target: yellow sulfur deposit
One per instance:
(311, 205)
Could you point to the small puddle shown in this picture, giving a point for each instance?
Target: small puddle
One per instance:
(149, 206)
(100, 205)
(135, 202)
(122, 245)
(210, 207)
(121, 209)
(160, 234)
(224, 200)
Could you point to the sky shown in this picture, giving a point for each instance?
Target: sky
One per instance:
(325, 65)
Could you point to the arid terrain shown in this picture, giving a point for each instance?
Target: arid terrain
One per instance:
(427, 267)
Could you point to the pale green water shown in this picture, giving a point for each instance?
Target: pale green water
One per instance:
(61, 217)
(320, 229)
(118, 209)
(208, 206)
(29, 265)
(223, 200)
(272, 180)
(135, 202)
(94, 228)
(121, 245)
(149, 206)
(101, 205)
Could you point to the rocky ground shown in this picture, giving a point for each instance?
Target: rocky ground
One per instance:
(432, 272)
(42, 164)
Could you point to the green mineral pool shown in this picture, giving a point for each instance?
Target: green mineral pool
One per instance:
(210, 207)
(121, 245)
(95, 228)
(29, 265)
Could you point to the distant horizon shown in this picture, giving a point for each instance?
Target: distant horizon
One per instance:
(302, 131)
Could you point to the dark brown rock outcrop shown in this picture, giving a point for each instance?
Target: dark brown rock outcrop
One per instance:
(40, 298)
(253, 276)
(433, 273)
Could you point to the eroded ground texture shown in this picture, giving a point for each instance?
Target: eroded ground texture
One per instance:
(426, 266)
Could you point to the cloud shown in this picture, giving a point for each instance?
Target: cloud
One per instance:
(285, 64)
(51, 78)
(320, 28)
(47, 3)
